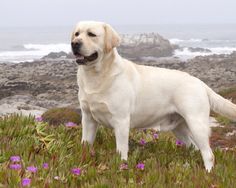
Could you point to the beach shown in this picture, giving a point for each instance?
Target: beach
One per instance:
(36, 75)
(34, 87)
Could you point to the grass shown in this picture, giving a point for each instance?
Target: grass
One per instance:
(57, 116)
(166, 165)
(231, 95)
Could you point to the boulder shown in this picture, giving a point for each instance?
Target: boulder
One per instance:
(145, 45)
(56, 55)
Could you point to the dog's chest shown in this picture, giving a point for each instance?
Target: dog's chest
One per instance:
(98, 107)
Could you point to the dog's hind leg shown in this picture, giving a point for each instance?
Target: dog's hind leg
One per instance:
(183, 133)
(200, 130)
(194, 107)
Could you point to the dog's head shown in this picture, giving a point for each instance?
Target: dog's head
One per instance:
(91, 41)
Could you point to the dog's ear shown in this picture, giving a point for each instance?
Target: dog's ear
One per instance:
(112, 38)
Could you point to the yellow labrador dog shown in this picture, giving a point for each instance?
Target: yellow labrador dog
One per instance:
(121, 95)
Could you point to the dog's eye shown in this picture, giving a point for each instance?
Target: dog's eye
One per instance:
(77, 34)
(91, 34)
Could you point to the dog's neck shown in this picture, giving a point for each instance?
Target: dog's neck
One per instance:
(99, 74)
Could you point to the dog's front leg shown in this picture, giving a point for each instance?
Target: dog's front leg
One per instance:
(122, 137)
(89, 129)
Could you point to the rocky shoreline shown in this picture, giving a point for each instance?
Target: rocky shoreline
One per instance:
(217, 71)
(33, 87)
(43, 84)
(40, 84)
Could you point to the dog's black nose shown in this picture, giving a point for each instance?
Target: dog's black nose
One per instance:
(76, 46)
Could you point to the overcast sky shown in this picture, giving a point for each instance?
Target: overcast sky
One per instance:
(117, 12)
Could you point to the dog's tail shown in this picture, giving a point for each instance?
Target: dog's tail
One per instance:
(221, 105)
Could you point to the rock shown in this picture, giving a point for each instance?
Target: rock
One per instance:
(47, 84)
(233, 55)
(7, 109)
(191, 49)
(50, 83)
(20, 104)
(231, 133)
(145, 45)
(217, 71)
(56, 55)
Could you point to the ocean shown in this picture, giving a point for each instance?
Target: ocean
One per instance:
(30, 43)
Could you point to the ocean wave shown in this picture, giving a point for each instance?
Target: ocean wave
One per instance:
(30, 52)
(179, 41)
(223, 50)
(185, 53)
(48, 47)
(19, 56)
(33, 51)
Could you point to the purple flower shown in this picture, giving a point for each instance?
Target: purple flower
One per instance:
(32, 169)
(15, 166)
(140, 166)
(155, 136)
(70, 124)
(15, 158)
(39, 119)
(179, 143)
(124, 166)
(142, 142)
(45, 165)
(76, 171)
(25, 182)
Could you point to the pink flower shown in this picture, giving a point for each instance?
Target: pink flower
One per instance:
(155, 136)
(26, 182)
(140, 166)
(124, 166)
(70, 124)
(45, 165)
(179, 143)
(39, 119)
(15, 166)
(32, 169)
(142, 142)
(76, 171)
(56, 177)
(15, 158)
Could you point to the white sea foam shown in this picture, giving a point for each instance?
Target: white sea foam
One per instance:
(179, 41)
(48, 47)
(185, 53)
(223, 50)
(33, 51)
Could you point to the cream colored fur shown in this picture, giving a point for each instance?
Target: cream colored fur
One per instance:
(119, 94)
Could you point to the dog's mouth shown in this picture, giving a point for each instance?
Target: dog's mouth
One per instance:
(81, 59)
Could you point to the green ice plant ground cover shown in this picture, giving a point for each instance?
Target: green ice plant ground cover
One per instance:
(35, 154)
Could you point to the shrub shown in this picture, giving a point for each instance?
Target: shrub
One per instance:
(57, 116)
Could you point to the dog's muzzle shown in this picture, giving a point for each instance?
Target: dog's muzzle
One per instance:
(80, 58)
(76, 47)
